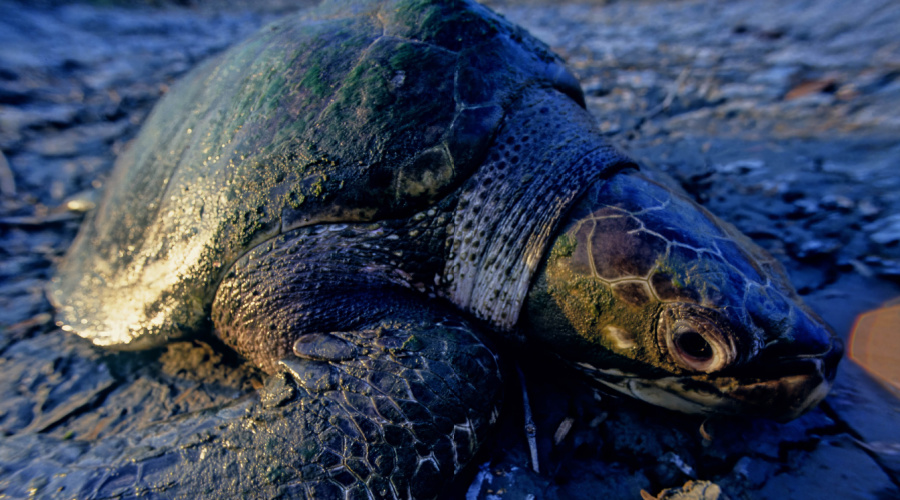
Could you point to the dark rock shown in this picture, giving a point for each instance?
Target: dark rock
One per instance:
(751, 472)
(817, 249)
(804, 208)
(885, 231)
(740, 166)
(837, 202)
(671, 470)
(868, 209)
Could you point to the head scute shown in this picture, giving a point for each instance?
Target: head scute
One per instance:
(651, 295)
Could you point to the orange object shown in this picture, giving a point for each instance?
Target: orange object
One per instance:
(875, 343)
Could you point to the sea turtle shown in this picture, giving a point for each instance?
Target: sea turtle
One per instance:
(357, 200)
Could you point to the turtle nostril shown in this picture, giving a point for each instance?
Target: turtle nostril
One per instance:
(692, 345)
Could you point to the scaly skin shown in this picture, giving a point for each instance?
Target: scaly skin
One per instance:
(651, 295)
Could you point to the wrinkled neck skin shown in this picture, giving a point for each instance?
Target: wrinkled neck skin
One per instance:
(649, 294)
(546, 155)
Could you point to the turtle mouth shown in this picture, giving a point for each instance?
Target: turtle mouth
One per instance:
(780, 391)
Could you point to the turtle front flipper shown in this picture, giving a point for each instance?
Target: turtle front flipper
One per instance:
(400, 407)
(393, 409)
(377, 391)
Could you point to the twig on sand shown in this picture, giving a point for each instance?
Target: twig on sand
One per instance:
(530, 428)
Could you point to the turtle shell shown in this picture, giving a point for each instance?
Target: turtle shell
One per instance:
(353, 112)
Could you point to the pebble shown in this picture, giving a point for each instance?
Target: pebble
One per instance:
(885, 231)
(812, 249)
(805, 207)
(740, 166)
(753, 471)
(835, 201)
(868, 209)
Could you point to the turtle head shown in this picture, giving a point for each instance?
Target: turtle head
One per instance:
(651, 295)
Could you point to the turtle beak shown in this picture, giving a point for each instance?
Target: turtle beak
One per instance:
(783, 387)
(779, 389)
(788, 376)
(782, 382)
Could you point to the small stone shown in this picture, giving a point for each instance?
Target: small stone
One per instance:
(277, 392)
(889, 269)
(740, 166)
(82, 201)
(885, 231)
(754, 472)
(811, 249)
(678, 462)
(836, 201)
(670, 470)
(609, 127)
(868, 209)
(805, 207)
(596, 88)
(810, 88)
(776, 76)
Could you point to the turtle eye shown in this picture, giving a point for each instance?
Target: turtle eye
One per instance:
(691, 344)
(696, 344)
